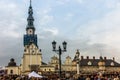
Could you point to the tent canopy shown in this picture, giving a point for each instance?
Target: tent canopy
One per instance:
(34, 74)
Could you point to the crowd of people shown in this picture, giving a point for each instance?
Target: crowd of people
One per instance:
(95, 76)
(19, 77)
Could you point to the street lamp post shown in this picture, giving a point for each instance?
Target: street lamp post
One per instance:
(59, 52)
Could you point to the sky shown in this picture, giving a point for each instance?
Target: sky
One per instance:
(91, 26)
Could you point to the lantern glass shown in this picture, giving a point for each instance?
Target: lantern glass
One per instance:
(64, 45)
(54, 45)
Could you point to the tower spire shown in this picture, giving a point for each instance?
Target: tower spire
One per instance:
(30, 18)
(30, 36)
(30, 2)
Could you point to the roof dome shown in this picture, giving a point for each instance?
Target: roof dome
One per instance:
(12, 62)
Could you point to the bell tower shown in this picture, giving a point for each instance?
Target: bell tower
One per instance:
(32, 57)
(30, 36)
(30, 29)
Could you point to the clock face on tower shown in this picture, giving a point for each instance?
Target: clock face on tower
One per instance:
(30, 31)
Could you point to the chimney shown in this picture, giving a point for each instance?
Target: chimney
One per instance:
(87, 57)
(105, 58)
(101, 57)
(82, 57)
(93, 57)
(113, 59)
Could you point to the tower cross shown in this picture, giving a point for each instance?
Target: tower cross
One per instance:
(30, 2)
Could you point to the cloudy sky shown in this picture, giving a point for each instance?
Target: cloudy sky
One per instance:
(92, 26)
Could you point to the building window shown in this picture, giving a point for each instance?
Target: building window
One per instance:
(45, 69)
(11, 71)
(27, 46)
(112, 64)
(49, 69)
(89, 63)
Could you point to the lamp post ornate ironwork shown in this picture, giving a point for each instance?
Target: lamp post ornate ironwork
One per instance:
(59, 50)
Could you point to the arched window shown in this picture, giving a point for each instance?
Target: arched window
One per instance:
(24, 50)
(11, 71)
(45, 69)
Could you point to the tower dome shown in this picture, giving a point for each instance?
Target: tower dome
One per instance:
(12, 62)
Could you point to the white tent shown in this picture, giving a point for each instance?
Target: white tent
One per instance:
(34, 74)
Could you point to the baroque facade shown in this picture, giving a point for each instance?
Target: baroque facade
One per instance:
(32, 58)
